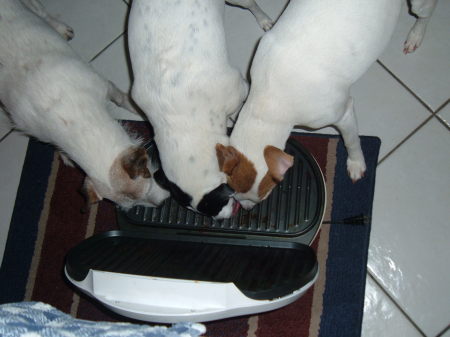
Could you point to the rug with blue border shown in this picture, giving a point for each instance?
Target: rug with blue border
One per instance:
(47, 222)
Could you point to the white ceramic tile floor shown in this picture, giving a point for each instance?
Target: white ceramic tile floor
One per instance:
(426, 71)
(409, 244)
(382, 317)
(95, 23)
(409, 247)
(381, 113)
(243, 32)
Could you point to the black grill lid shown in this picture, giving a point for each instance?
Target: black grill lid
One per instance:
(262, 270)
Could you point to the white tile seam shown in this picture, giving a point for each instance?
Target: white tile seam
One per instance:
(106, 47)
(440, 118)
(6, 135)
(442, 107)
(396, 304)
(443, 122)
(446, 329)
(404, 140)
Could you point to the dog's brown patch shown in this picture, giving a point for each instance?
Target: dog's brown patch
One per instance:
(278, 163)
(240, 171)
(134, 162)
(266, 185)
(127, 172)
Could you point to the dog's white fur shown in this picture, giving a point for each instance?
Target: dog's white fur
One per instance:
(51, 94)
(302, 72)
(186, 86)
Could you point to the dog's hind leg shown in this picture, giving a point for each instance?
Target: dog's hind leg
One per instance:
(423, 9)
(348, 127)
(37, 8)
(232, 118)
(66, 160)
(264, 21)
(121, 99)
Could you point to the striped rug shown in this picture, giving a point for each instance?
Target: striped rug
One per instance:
(47, 222)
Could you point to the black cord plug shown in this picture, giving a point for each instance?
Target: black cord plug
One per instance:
(358, 220)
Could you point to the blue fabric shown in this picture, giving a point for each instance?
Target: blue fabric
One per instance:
(36, 319)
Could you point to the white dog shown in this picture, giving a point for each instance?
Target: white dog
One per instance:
(301, 75)
(49, 93)
(187, 88)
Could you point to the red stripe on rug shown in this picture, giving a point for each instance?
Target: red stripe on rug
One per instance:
(91, 309)
(289, 321)
(317, 146)
(231, 327)
(106, 217)
(65, 227)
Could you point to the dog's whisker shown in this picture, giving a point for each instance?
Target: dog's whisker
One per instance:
(147, 145)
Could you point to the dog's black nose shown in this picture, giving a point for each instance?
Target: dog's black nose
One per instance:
(213, 202)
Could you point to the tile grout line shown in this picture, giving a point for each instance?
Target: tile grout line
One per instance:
(405, 139)
(443, 122)
(443, 105)
(446, 329)
(406, 87)
(6, 135)
(414, 324)
(441, 119)
(106, 47)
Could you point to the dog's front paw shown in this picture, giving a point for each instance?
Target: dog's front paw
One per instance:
(64, 30)
(412, 43)
(356, 169)
(266, 24)
(69, 33)
(415, 37)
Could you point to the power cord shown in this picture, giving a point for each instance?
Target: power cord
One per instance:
(358, 220)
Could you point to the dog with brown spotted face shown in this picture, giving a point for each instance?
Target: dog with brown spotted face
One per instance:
(185, 85)
(301, 75)
(50, 93)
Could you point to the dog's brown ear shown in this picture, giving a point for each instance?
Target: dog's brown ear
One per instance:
(91, 195)
(277, 161)
(240, 171)
(134, 162)
(228, 158)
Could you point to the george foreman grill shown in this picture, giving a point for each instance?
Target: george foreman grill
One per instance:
(170, 264)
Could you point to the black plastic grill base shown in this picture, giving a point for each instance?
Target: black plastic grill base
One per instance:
(293, 210)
